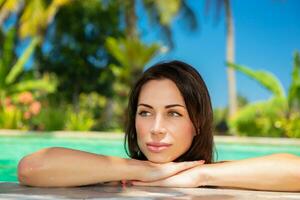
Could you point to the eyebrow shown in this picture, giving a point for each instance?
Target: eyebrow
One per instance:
(167, 106)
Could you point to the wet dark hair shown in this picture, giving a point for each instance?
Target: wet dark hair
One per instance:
(196, 97)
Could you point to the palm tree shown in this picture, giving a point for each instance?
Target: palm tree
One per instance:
(35, 16)
(161, 14)
(280, 113)
(130, 19)
(230, 51)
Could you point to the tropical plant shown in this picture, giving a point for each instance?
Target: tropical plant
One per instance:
(33, 16)
(79, 121)
(76, 53)
(18, 111)
(278, 116)
(221, 116)
(51, 118)
(132, 56)
(9, 6)
(160, 15)
(294, 90)
(13, 82)
(10, 117)
(95, 104)
(230, 50)
(220, 120)
(10, 81)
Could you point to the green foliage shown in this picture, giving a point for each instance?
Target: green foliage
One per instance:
(294, 90)
(95, 104)
(19, 66)
(37, 15)
(167, 10)
(220, 120)
(80, 121)
(162, 13)
(76, 53)
(260, 119)
(7, 55)
(266, 79)
(278, 116)
(132, 55)
(51, 118)
(46, 84)
(10, 118)
(12, 76)
(17, 111)
(84, 56)
(292, 125)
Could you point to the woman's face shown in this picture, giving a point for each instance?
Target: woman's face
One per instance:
(164, 128)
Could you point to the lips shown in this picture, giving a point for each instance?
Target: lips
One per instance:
(157, 147)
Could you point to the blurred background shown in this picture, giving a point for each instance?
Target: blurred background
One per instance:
(69, 64)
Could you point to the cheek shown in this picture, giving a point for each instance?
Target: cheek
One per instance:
(185, 133)
(141, 127)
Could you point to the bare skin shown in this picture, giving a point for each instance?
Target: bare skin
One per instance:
(62, 167)
(277, 172)
(164, 132)
(159, 123)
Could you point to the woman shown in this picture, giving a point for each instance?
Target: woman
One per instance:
(169, 137)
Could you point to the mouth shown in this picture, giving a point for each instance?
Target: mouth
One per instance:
(157, 147)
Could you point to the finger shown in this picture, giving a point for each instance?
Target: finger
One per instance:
(174, 168)
(190, 164)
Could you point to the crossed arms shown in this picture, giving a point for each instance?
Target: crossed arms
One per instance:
(62, 167)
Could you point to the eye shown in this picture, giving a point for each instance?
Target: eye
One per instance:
(144, 113)
(174, 114)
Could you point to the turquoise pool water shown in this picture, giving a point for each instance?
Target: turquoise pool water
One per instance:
(13, 148)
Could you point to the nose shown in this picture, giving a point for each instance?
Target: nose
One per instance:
(158, 126)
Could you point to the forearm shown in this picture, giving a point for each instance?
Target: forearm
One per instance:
(59, 167)
(278, 172)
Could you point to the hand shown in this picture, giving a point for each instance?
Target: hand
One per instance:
(192, 177)
(155, 172)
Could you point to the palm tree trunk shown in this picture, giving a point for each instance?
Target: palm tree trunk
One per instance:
(130, 19)
(230, 58)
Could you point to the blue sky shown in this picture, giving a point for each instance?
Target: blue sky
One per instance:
(267, 33)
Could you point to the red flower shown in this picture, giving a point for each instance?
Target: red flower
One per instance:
(26, 98)
(35, 108)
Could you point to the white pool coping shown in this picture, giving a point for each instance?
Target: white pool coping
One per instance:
(111, 135)
(12, 190)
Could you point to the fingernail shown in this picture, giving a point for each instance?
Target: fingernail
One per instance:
(202, 161)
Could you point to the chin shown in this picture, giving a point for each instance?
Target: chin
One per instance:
(159, 159)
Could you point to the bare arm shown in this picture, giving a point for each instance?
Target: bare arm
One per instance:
(278, 172)
(62, 167)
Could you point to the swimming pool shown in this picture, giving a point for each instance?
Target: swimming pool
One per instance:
(14, 147)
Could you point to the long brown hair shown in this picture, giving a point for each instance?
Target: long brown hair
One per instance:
(197, 100)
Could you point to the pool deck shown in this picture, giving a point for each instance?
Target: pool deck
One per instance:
(12, 190)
